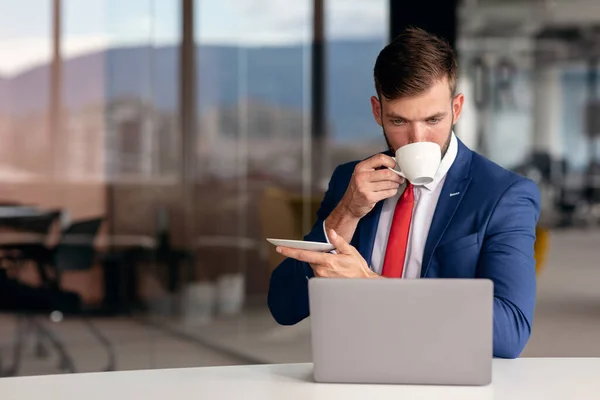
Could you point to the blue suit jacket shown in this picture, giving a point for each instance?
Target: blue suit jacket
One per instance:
(486, 231)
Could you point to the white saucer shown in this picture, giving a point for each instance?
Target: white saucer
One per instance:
(302, 244)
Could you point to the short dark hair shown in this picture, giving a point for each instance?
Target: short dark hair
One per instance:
(413, 62)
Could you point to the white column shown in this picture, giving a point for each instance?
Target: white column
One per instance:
(547, 111)
(466, 128)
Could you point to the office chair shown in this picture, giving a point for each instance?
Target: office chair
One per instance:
(13, 254)
(74, 251)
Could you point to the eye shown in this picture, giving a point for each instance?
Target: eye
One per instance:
(434, 120)
(398, 122)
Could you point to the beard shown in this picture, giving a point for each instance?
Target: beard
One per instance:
(447, 143)
(444, 147)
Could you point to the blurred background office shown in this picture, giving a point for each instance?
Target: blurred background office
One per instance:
(148, 147)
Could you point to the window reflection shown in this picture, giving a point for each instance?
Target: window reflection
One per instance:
(26, 50)
(253, 111)
(142, 69)
(356, 33)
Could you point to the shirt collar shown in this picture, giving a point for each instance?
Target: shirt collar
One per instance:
(445, 164)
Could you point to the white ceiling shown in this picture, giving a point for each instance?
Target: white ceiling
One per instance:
(524, 17)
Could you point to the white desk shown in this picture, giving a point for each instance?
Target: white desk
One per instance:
(533, 378)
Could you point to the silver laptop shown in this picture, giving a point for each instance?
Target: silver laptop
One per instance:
(413, 331)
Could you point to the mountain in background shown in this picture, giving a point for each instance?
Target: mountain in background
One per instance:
(270, 75)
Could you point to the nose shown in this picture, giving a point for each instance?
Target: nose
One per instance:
(417, 133)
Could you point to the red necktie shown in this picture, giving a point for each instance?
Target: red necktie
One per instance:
(395, 251)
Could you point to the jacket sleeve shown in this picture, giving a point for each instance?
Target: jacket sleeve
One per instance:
(507, 258)
(288, 287)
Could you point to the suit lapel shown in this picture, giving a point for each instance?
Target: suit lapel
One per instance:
(367, 229)
(455, 186)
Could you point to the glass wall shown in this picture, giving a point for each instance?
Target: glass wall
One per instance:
(25, 89)
(142, 70)
(497, 76)
(91, 121)
(252, 138)
(356, 33)
(89, 124)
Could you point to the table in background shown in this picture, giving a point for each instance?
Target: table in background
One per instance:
(526, 378)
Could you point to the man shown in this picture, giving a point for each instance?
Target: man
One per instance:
(475, 220)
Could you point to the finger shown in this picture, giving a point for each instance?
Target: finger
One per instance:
(382, 185)
(340, 243)
(384, 194)
(398, 174)
(382, 175)
(377, 161)
(320, 271)
(311, 257)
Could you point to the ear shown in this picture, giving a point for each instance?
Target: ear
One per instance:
(376, 108)
(457, 105)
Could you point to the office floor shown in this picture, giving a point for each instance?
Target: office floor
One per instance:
(567, 323)
(567, 319)
(136, 346)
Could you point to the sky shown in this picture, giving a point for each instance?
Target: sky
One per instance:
(92, 25)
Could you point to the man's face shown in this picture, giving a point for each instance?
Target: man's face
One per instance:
(427, 117)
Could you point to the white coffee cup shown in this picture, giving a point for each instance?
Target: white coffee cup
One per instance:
(418, 162)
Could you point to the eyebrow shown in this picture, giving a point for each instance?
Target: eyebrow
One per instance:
(438, 115)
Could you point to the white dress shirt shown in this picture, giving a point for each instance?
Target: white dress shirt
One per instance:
(426, 198)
